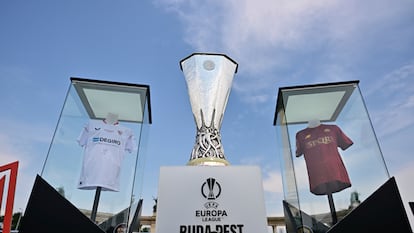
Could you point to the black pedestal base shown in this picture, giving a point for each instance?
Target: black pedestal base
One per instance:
(383, 211)
(49, 212)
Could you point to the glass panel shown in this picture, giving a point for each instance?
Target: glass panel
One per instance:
(335, 105)
(139, 176)
(66, 157)
(288, 170)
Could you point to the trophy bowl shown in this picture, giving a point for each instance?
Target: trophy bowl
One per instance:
(209, 78)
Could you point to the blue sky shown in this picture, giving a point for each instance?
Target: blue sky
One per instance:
(276, 44)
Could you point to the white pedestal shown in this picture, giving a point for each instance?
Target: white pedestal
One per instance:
(202, 199)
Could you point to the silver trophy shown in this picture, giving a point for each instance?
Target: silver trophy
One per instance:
(209, 78)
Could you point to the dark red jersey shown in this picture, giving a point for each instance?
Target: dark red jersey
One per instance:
(326, 170)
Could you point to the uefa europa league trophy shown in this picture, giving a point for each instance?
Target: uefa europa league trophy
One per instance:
(209, 78)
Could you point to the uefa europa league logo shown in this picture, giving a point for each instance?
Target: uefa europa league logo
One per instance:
(213, 189)
(209, 78)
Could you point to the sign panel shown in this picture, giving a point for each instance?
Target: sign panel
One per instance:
(206, 199)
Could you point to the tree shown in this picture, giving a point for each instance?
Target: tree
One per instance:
(61, 190)
(15, 220)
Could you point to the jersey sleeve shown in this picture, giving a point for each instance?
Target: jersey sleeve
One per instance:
(131, 144)
(299, 149)
(84, 135)
(343, 140)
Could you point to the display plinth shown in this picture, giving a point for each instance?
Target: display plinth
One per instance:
(331, 160)
(383, 211)
(49, 212)
(95, 159)
(201, 199)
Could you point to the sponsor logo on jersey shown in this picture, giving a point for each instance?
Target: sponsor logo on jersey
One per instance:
(106, 140)
(320, 141)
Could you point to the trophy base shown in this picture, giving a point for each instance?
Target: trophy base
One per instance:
(208, 162)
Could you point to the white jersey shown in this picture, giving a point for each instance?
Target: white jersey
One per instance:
(104, 149)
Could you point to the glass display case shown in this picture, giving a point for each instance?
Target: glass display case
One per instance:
(330, 157)
(96, 156)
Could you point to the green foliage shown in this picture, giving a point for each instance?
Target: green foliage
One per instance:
(15, 220)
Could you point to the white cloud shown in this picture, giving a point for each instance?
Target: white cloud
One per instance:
(276, 41)
(395, 92)
(394, 81)
(243, 27)
(272, 182)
